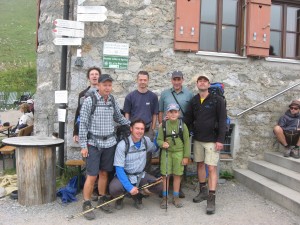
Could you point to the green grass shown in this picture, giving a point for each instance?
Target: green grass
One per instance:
(17, 31)
(17, 45)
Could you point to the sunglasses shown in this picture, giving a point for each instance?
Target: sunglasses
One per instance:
(294, 108)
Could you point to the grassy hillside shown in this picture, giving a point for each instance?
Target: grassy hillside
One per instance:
(17, 44)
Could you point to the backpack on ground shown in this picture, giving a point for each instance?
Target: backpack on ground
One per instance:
(217, 88)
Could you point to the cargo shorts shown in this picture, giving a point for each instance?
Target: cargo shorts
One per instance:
(206, 152)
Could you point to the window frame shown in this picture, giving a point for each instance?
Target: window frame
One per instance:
(284, 32)
(238, 33)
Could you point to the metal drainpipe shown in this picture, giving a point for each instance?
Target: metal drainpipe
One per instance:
(63, 81)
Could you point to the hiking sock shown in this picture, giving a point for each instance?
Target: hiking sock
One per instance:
(175, 194)
(164, 193)
(212, 192)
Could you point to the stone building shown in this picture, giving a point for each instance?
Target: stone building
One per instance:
(230, 56)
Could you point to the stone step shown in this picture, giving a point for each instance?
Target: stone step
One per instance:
(276, 173)
(278, 159)
(278, 193)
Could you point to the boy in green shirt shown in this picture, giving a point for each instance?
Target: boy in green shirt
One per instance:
(175, 139)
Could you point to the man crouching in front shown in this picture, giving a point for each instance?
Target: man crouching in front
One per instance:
(130, 160)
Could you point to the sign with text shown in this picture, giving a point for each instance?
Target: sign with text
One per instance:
(61, 96)
(67, 41)
(115, 48)
(60, 31)
(115, 62)
(91, 9)
(85, 17)
(69, 24)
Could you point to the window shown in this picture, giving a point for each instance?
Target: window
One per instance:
(219, 26)
(208, 25)
(285, 30)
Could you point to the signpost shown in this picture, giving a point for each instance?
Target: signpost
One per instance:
(60, 31)
(91, 13)
(67, 41)
(69, 24)
(115, 55)
(73, 30)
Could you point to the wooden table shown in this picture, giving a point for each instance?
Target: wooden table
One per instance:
(5, 128)
(36, 168)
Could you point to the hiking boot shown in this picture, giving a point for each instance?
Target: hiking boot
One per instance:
(287, 152)
(177, 202)
(211, 204)
(138, 204)
(119, 204)
(164, 203)
(105, 208)
(295, 153)
(86, 206)
(203, 193)
(181, 194)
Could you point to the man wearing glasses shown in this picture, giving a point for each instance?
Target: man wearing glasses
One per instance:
(288, 130)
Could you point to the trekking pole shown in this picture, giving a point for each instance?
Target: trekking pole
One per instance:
(167, 188)
(157, 181)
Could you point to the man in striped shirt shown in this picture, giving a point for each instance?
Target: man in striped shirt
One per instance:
(98, 141)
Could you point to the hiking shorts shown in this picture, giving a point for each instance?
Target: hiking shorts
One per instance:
(206, 152)
(175, 166)
(292, 137)
(97, 160)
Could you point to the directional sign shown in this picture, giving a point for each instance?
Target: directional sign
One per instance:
(91, 9)
(79, 2)
(69, 24)
(67, 41)
(115, 48)
(91, 17)
(60, 31)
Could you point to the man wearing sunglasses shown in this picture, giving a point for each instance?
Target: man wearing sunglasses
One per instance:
(288, 130)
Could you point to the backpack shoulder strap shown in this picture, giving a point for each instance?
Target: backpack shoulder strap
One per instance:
(164, 127)
(145, 143)
(180, 130)
(126, 140)
(94, 102)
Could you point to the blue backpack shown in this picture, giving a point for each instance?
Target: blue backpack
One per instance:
(217, 88)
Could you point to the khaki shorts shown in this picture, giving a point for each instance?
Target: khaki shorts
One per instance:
(206, 152)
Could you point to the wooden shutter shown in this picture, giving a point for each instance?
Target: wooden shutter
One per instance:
(187, 22)
(258, 27)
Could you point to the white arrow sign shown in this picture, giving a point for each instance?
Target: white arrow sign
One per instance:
(67, 41)
(91, 17)
(69, 24)
(79, 2)
(60, 31)
(91, 9)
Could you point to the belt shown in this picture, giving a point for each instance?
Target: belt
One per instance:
(102, 137)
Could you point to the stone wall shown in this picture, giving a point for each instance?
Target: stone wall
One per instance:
(147, 25)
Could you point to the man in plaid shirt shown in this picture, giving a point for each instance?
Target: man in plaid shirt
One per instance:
(98, 141)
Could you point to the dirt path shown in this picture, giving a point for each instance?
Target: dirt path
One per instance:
(236, 205)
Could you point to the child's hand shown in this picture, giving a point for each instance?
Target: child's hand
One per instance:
(185, 161)
(165, 145)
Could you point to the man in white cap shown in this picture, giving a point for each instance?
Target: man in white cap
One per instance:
(207, 115)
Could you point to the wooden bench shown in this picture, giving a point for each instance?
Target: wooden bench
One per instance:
(8, 150)
(78, 163)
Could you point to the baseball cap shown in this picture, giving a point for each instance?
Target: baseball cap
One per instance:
(177, 73)
(173, 106)
(203, 76)
(104, 77)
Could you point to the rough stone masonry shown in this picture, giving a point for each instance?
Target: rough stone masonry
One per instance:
(147, 25)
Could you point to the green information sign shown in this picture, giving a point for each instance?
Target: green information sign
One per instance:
(115, 62)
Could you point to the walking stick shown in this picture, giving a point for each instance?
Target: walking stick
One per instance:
(159, 180)
(167, 188)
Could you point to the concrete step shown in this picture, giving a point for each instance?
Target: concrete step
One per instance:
(278, 159)
(276, 173)
(278, 193)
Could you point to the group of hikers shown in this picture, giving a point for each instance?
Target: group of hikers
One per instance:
(178, 112)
